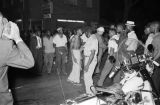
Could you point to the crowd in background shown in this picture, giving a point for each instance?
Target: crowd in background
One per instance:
(85, 47)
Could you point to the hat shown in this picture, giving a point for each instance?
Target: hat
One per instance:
(60, 28)
(130, 23)
(100, 29)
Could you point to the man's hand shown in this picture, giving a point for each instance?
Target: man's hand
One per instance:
(86, 68)
(14, 33)
(75, 60)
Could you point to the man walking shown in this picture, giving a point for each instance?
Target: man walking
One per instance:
(90, 60)
(49, 51)
(60, 41)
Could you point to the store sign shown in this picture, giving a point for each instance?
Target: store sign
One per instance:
(47, 15)
(47, 9)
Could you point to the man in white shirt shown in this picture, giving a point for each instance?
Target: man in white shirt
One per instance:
(132, 37)
(112, 49)
(60, 41)
(90, 58)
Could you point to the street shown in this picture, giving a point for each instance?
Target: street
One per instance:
(46, 89)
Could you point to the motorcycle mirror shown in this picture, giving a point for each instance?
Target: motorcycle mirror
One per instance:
(150, 48)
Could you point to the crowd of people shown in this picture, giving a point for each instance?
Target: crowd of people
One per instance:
(85, 46)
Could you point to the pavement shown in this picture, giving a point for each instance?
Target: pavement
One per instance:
(46, 89)
(53, 89)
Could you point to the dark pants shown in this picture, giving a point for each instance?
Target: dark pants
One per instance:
(61, 54)
(156, 79)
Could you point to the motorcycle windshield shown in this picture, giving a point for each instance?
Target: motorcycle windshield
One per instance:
(130, 52)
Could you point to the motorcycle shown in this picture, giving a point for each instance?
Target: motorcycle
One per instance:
(136, 86)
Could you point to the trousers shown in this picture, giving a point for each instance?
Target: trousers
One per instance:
(48, 61)
(76, 67)
(61, 55)
(88, 80)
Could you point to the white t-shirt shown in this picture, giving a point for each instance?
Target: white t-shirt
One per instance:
(60, 42)
(91, 44)
(132, 41)
(149, 40)
(113, 44)
(132, 35)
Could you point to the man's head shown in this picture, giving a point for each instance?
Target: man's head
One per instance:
(38, 33)
(4, 25)
(155, 26)
(100, 31)
(129, 25)
(112, 32)
(120, 28)
(79, 31)
(60, 30)
(48, 33)
(147, 30)
(88, 31)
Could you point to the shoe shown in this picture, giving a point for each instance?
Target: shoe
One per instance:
(64, 73)
(77, 84)
(70, 81)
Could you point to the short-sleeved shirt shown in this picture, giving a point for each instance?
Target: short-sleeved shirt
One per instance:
(91, 44)
(60, 41)
(149, 40)
(132, 41)
(84, 37)
(112, 44)
(100, 41)
(132, 35)
(48, 44)
(156, 44)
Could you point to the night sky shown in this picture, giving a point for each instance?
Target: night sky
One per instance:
(142, 12)
(111, 11)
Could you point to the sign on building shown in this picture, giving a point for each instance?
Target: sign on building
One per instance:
(47, 9)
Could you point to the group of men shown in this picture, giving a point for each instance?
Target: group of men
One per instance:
(87, 50)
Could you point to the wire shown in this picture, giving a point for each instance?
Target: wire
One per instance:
(62, 90)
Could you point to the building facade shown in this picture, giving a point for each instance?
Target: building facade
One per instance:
(65, 13)
(50, 14)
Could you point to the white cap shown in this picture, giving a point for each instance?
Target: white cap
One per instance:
(100, 29)
(60, 28)
(130, 23)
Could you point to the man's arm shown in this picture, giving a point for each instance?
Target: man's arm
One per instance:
(91, 57)
(20, 57)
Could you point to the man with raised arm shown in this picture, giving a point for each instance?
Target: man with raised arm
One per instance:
(15, 55)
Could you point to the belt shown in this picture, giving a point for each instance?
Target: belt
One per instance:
(86, 56)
